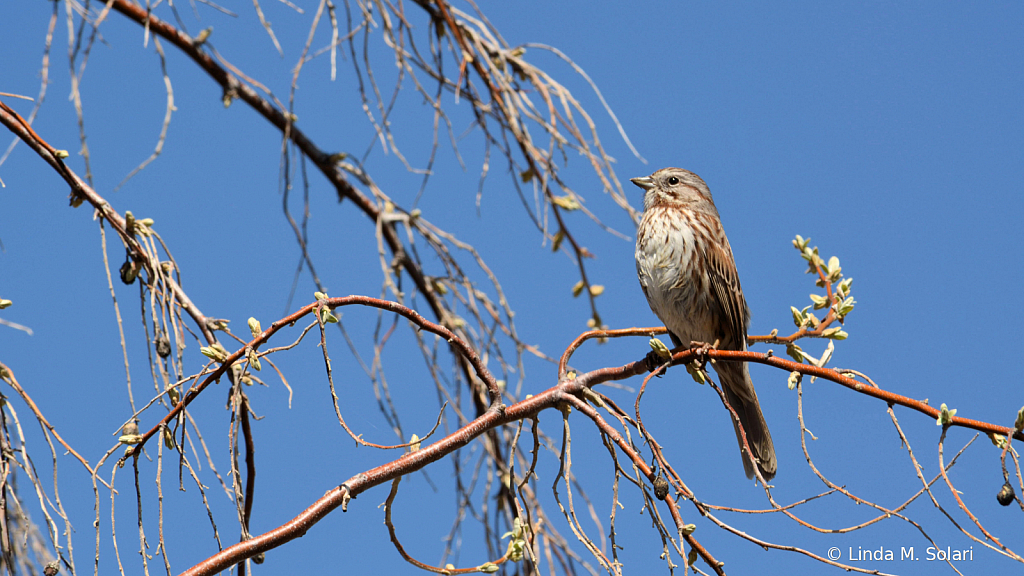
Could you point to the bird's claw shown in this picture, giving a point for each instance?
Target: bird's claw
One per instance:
(700, 350)
(653, 361)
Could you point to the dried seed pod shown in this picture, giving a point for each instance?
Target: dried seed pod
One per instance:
(1005, 496)
(163, 346)
(660, 488)
(129, 271)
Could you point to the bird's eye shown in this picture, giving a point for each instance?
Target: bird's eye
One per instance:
(672, 180)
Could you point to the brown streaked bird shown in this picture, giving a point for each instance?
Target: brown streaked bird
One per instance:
(688, 274)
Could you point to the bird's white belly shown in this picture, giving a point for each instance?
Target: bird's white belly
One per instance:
(664, 263)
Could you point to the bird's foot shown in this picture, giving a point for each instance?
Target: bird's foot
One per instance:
(700, 350)
(653, 360)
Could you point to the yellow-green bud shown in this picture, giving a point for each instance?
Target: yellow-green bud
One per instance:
(660, 350)
(945, 415)
(130, 439)
(254, 327)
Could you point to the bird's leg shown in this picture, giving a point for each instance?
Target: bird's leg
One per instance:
(700, 350)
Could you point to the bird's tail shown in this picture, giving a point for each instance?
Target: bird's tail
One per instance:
(739, 391)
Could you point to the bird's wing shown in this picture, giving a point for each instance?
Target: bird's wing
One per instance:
(726, 291)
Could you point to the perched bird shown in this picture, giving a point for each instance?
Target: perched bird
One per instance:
(688, 274)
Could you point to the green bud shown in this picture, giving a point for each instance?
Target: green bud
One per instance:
(62, 154)
(688, 529)
(997, 439)
(214, 352)
(795, 352)
(5, 303)
(326, 317)
(130, 439)
(578, 288)
(556, 242)
(691, 557)
(1019, 424)
(819, 301)
(254, 327)
(320, 295)
(488, 568)
(169, 439)
(834, 270)
(202, 36)
(172, 394)
(845, 307)
(566, 202)
(662, 351)
(794, 379)
(811, 319)
(945, 415)
(798, 317)
(835, 333)
(696, 373)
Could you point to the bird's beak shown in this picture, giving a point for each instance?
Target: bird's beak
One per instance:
(645, 182)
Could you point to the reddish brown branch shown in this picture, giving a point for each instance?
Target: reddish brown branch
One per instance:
(856, 385)
(685, 356)
(457, 344)
(385, 473)
(563, 363)
(494, 418)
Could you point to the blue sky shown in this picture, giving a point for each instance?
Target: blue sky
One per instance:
(890, 133)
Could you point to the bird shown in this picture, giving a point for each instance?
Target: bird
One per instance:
(688, 274)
